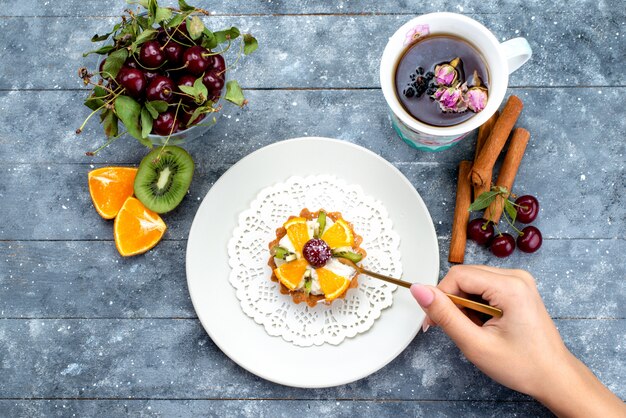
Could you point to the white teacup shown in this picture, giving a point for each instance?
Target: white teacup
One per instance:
(501, 60)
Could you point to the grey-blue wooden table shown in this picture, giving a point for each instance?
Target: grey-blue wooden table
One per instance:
(85, 332)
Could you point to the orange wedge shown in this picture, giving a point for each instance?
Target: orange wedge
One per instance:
(110, 187)
(298, 232)
(290, 274)
(136, 228)
(339, 235)
(332, 284)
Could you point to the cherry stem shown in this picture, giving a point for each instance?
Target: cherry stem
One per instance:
(148, 68)
(109, 142)
(79, 130)
(177, 29)
(179, 68)
(105, 88)
(234, 64)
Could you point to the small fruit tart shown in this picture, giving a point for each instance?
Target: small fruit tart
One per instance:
(304, 256)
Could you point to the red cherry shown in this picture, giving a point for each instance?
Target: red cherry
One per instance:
(160, 88)
(218, 63)
(196, 62)
(213, 82)
(185, 80)
(165, 124)
(150, 75)
(174, 53)
(528, 208)
(130, 63)
(151, 55)
(530, 241)
(316, 252)
(132, 80)
(480, 230)
(502, 245)
(181, 33)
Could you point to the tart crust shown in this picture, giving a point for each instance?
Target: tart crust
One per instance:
(299, 295)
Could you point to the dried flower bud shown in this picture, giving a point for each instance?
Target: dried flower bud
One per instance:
(476, 99)
(445, 75)
(451, 99)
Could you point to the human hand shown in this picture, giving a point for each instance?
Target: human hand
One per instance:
(523, 349)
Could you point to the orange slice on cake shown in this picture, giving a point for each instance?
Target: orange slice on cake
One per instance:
(109, 188)
(332, 284)
(290, 274)
(298, 232)
(137, 229)
(339, 235)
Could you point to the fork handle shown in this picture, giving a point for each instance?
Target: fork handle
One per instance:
(466, 303)
(476, 306)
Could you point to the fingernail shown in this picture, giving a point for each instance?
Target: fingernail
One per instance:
(425, 326)
(423, 295)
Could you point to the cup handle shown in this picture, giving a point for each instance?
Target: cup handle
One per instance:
(517, 51)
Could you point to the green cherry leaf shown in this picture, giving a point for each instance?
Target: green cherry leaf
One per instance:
(159, 105)
(128, 110)
(183, 6)
(188, 90)
(195, 27)
(194, 115)
(104, 50)
(510, 210)
(100, 38)
(234, 93)
(250, 44)
(144, 22)
(146, 123)
(203, 93)
(114, 62)
(144, 36)
(162, 14)
(483, 201)
(175, 21)
(153, 112)
(110, 124)
(208, 39)
(226, 34)
(96, 100)
(144, 3)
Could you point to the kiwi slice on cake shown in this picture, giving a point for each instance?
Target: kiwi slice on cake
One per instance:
(163, 178)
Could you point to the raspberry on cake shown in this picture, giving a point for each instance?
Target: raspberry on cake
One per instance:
(304, 256)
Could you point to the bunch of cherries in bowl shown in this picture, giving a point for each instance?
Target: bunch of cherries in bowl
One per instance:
(162, 71)
(502, 245)
(162, 66)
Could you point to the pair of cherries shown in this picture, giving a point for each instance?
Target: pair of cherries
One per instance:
(482, 231)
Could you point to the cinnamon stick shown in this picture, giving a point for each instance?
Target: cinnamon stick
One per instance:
(461, 214)
(483, 133)
(483, 165)
(508, 171)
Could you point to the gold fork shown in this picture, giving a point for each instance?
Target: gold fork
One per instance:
(466, 303)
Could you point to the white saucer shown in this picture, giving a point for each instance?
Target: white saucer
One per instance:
(246, 342)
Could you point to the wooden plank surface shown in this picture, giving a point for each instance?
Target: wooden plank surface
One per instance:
(175, 359)
(333, 52)
(88, 279)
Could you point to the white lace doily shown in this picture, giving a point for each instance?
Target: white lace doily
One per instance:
(260, 297)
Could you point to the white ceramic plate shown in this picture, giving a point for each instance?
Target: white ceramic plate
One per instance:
(246, 342)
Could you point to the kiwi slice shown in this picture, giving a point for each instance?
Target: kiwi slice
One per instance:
(163, 178)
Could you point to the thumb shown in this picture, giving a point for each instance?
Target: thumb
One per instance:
(440, 309)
